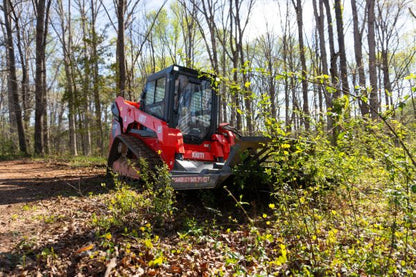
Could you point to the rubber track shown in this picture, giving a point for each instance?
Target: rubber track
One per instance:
(137, 147)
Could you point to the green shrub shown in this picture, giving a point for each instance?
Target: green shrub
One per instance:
(133, 206)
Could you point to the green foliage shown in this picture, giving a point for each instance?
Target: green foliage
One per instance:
(9, 149)
(290, 161)
(158, 186)
(367, 210)
(130, 207)
(249, 176)
(192, 227)
(82, 161)
(47, 256)
(75, 161)
(343, 208)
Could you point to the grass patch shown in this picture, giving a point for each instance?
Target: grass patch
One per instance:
(75, 161)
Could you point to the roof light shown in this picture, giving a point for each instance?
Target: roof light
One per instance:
(175, 68)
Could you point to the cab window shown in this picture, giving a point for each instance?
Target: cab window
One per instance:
(155, 97)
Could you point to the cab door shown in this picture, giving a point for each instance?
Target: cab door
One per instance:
(155, 98)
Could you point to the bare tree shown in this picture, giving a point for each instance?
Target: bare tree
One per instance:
(332, 55)
(372, 58)
(234, 55)
(341, 45)
(15, 108)
(189, 30)
(299, 19)
(125, 10)
(121, 57)
(210, 11)
(24, 29)
(267, 44)
(320, 25)
(233, 46)
(359, 59)
(42, 17)
(65, 37)
(84, 73)
(387, 24)
(94, 10)
(288, 66)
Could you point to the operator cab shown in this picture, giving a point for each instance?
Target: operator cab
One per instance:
(185, 99)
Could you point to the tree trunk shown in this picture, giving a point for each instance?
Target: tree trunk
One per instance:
(224, 92)
(386, 26)
(271, 79)
(42, 14)
(386, 76)
(333, 70)
(299, 19)
(96, 81)
(333, 56)
(240, 28)
(189, 32)
(121, 57)
(359, 60)
(319, 17)
(71, 89)
(208, 10)
(372, 59)
(15, 111)
(39, 86)
(86, 87)
(66, 41)
(341, 46)
(285, 54)
(235, 111)
(24, 61)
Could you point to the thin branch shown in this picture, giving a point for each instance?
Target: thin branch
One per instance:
(109, 16)
(139, 52)
(411, 12)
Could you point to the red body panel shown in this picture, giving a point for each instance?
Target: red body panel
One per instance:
(169, 141)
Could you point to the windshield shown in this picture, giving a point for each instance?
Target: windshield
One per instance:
(193, 106)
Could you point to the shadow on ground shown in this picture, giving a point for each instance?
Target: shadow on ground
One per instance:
(28, 190)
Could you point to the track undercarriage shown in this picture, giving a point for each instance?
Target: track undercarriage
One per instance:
(186, 174)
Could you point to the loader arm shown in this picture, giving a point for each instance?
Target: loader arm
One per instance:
(167, 141)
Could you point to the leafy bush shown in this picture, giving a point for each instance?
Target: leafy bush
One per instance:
(353, 211)
(342, 208)
(130, 207)
(8, 149)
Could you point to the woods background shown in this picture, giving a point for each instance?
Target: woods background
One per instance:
(63, 62)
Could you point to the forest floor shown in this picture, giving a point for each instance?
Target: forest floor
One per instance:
(47, 209)
(37, 203)
(60, 218)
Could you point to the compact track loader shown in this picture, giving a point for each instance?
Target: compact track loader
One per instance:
(176, 123)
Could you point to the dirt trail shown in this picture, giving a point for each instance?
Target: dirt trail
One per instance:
(31, 190)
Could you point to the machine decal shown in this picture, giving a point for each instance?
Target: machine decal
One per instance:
(198, 155)
(142, 118)
(191, 179)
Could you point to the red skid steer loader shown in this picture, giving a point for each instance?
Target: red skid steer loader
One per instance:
(176, 122)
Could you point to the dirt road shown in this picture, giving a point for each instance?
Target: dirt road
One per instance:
(32, 191)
